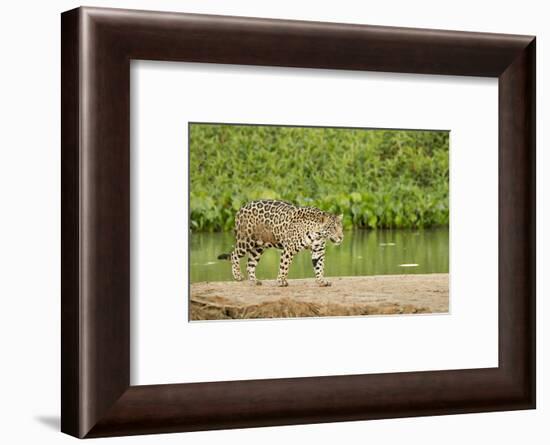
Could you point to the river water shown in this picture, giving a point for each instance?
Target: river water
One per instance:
(363, 252)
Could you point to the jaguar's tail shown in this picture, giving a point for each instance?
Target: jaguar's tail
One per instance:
(224, 256)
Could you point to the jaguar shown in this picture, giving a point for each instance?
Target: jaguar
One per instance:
(264, 224)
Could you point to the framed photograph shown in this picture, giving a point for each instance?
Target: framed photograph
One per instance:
(242, 192)
(269, 222)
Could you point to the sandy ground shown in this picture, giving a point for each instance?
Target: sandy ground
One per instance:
(382, 294)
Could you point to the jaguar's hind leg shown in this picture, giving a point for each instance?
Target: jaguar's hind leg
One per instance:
(236, 255)
(254, 255)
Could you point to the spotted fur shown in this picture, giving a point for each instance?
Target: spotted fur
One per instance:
(262, 224)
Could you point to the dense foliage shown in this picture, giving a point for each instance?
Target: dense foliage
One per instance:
(376, 178)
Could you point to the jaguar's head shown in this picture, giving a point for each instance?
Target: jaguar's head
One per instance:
(334, 228)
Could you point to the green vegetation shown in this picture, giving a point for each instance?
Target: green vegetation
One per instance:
(376, 178)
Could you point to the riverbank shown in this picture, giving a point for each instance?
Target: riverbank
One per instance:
(367, 295)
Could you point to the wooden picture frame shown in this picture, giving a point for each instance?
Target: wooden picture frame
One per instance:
(97, 46)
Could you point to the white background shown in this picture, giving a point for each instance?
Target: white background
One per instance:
(165, 96)
(29, 239)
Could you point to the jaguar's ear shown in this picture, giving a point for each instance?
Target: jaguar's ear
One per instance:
(341, 216)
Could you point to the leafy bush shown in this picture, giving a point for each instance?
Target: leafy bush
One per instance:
(376, 178)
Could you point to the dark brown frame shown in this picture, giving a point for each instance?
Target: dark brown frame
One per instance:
(97, 46)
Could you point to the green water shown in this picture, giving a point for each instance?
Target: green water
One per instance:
(363, 252)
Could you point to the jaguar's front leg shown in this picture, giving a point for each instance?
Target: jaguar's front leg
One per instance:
(286, 259)
(318, 260)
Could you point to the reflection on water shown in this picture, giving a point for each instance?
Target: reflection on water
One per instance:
(363, 252)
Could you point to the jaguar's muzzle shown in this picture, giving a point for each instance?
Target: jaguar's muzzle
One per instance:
(337, 240)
